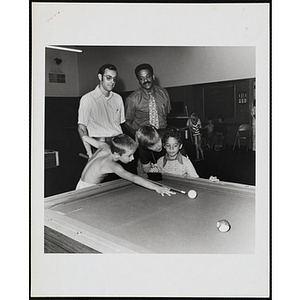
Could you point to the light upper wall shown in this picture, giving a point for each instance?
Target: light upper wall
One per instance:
(173, 66)
(69, 67)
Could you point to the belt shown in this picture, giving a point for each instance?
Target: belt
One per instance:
(103, 138)
(100, 139)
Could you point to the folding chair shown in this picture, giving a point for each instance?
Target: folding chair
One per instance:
(243, 134)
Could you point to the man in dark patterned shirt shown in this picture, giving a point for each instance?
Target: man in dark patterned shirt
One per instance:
(149, 105)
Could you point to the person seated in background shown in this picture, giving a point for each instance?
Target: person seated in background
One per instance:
(209, 133)
(105, 161)
(194, 125)
(220, 131)
(173, 162)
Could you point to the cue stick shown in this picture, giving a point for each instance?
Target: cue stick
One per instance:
(186, 110)
(83, 155)
(172, 189)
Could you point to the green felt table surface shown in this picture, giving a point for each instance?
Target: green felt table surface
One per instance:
(121, 217)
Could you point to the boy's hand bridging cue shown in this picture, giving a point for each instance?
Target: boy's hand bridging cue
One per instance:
(164, 191)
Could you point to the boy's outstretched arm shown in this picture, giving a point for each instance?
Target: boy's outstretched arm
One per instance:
(119, 170)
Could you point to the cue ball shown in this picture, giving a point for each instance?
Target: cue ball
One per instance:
(223, 225)
(192, 194)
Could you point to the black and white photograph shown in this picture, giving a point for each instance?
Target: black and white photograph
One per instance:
(150, 142)
(193, 168)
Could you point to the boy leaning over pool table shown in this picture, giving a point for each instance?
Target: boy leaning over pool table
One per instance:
(105, 160)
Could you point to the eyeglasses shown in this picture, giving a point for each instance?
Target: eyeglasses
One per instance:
(109, 78)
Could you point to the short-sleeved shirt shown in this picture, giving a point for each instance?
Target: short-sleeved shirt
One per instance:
(137, 107)
(101, 115)
(175, 167)
(210, 129)
(147, 156)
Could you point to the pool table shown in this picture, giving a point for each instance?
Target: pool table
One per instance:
(121, 217)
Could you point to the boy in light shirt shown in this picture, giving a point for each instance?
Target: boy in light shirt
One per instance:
(173, 162)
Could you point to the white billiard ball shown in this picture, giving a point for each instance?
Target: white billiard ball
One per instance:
(223, 225)
(192, 194)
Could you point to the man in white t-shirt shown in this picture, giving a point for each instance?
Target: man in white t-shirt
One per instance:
(101, 111)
